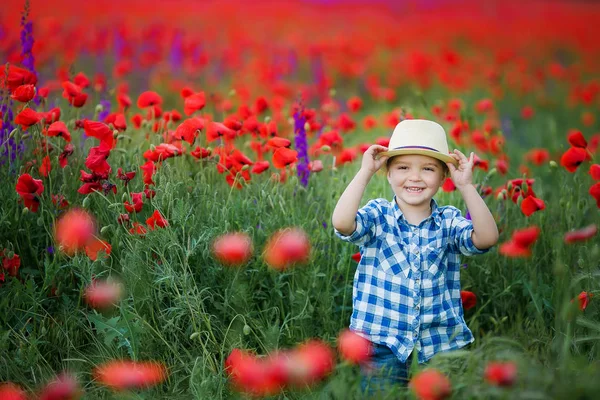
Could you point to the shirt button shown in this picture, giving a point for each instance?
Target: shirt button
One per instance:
(417, 281)
(417, 251)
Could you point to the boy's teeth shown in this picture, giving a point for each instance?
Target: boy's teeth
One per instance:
(414, 189)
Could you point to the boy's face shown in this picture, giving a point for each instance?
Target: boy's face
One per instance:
(415, 179)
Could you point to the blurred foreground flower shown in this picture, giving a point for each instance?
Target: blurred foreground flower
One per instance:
(520, 243)
(233, 249)
(307, 364)
(430, 384)
(74, 230)
(501, 373)
(581, 235)
(124, 375)
(286, 248)
(64, 387)
(354, 348)
(10, 391)
(103, 294)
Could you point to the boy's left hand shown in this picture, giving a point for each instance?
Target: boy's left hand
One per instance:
(463, 174)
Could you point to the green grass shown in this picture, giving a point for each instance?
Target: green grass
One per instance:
(184, 309)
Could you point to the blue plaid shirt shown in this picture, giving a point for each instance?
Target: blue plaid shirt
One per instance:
(407, 284)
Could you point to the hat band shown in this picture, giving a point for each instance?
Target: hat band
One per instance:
(416, 147)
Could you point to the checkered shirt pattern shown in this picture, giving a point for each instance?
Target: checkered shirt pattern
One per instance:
(407, 284)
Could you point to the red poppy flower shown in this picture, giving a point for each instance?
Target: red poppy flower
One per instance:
(448, 185)
(137, 205)
(103, 294)
(10, 391)
(527, 112)
(346, 156)
(12, 264)
(148, 170)
(277, 142)
(63, 387)
(188, 129)
(16, 77)
(27, 117)
(595, 172)
(200, 153)
(260, 167)
(469, 299)
(538, 156)
(137, 229)
(315, 166)
(430, 384)
(353, 347)
(90, 187)
(100, 131)
(356, 256)
(532, 204)
(81, 80)
(572, 158)
(581, 235)
(67, 151)
(354, 103)
(576, 139)
(193, 103)
(484, 105)
(46, 166)
(502, 166)
(96, 160)
(233, 249)
(215, 130)
(29, 189)
(124, 375)
(24, 93)
(149, 99)
(156, 219)
(58, 128)
(283, 157)
(94, 246)
(287, 247)
(501, 373)
(369, 122)
(595, 192)
(125, 177)
(74, 229)
(584, 299)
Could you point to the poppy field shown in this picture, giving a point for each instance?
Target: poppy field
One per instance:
(169, 171)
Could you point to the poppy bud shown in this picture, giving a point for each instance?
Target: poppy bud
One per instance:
(247, 330)
(509, 186)
(232, 93)
(306, 126)
(245, 167)
(553, 164)
(325, 148)
(115, 134)
(10, 255)
(562, 202)
(40, 221)
(492, 172)
(519, 201)
(12, 133)
(332, 92)
(25, 210)
(86, 202)
(105, 229)
(267, 119)
(581, 204)
(99, 108)
(523, 186)
(194, 335)
(502, 195)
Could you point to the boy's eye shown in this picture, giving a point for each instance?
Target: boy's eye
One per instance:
(402, 167)
(429, 169)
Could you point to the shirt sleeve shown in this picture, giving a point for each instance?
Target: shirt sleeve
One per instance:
(461, 230)
(365, 225)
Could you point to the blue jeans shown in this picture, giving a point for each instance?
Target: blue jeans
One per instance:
(383, 370)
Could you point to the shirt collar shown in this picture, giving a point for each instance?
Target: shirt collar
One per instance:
(435, 212)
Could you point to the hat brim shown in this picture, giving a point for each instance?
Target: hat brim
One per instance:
(442, 157)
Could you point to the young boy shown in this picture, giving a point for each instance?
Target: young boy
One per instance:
(406, 292)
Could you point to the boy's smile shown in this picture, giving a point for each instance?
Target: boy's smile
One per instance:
(415, 179)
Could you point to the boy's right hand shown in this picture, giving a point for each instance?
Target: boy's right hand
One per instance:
(371, 162)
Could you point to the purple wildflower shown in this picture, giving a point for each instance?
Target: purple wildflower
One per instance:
(27, 40)
(301, 145)
(105, 110)
(176, 54)
(7, 145)
(468, 215)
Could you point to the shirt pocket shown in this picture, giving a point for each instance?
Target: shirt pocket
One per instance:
(394, 260)
(434, 259)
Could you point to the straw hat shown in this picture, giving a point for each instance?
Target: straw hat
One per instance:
(419, 136)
